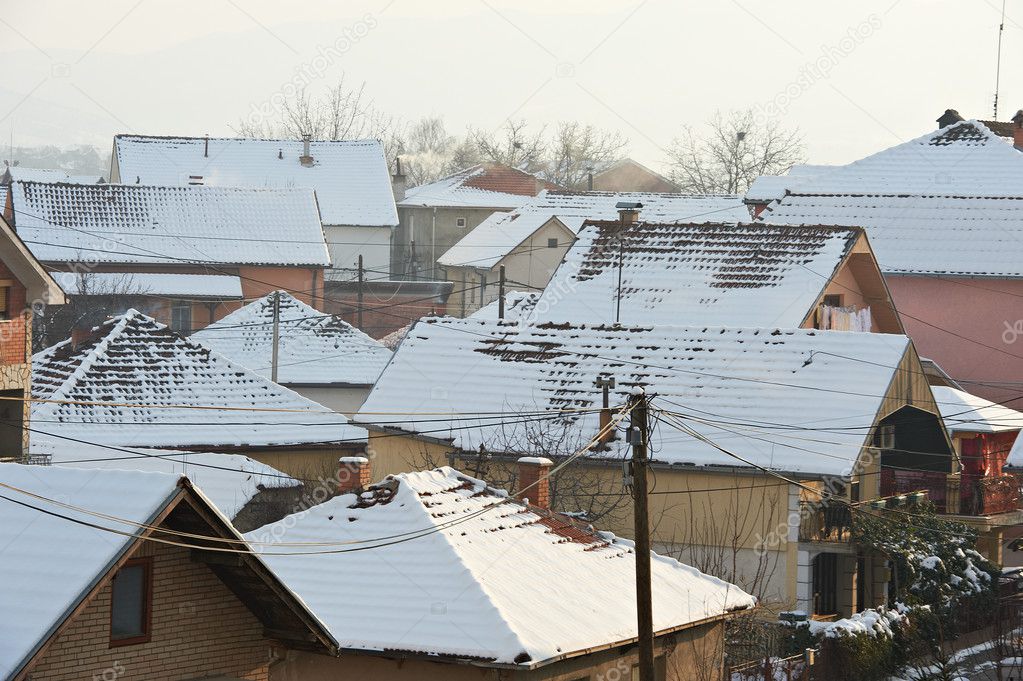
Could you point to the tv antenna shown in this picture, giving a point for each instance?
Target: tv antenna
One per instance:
(998, 63)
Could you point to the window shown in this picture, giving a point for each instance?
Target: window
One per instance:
(5, 296)
(131, 603)
(181, 317)
(552, 243)
(833, 300)
(459, 222)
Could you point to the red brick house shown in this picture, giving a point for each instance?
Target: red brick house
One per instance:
(91, 598)
(23, 284)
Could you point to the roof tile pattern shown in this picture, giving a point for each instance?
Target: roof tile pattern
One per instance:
(487, 185)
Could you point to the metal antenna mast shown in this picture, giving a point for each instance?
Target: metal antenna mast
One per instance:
(998, 63)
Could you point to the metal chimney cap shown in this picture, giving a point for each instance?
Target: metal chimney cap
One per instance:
(628, 205)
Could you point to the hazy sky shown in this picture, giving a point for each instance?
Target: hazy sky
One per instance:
(853, 77)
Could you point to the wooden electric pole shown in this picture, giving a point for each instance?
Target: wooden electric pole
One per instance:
(358, 310)
(276, 336)
(500, 294)
(638, 434)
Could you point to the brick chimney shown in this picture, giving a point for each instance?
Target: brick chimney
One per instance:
(533, 482)
(306, 158)
(80, 334)
(628, 212)
(948, 118)
(399, 182)
(1017, 130)
(353, 474)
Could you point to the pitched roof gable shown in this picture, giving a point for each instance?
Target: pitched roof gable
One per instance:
(350, 177)
(313, 347)
(134, 360)
(488, 564)
(111, 223)
(486, 185)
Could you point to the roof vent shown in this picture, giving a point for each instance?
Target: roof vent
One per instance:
(306, 159)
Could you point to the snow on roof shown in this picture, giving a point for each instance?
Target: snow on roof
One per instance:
(922, 233)
(963, 412)
(487, 185)
(391, 340)
(830, 379)
(498, 235)
(965, 159)
(736, 275)
(132, 359)
(313, 347)
(23, 174)
(230, 481)
(113, 223)
(216, 286)
(351, 179)
(518, 305)
(478, 579)
(49, 563)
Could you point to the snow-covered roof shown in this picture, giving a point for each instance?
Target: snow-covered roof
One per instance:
(964, 412)
(215, 286)
(230, 481)
(133, 360)
(49, 563)
(114, 223)
(494, 580)
(744, 378)
(498, 235)
(351, 179)
(965, 159)
(724, 274)
(487, 185)
(23, 174)
(932, 234)
(313, 347)
(518, 305)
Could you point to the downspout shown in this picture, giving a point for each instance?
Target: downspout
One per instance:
(433, 245)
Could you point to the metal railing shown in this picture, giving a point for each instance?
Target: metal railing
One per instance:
(820, 521)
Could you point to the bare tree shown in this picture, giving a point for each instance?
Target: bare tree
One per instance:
(513, 145)
(89, 304)
(734, 152)
(427, 150)
(576, 150)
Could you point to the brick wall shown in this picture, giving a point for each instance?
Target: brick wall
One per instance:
(14, 339)
(199, 629)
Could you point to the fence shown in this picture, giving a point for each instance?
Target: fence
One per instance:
(792, 668)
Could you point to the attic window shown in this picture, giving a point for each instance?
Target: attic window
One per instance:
(195, 179)
(552, 243)
(131, 603)
(833, 300)
(459, 222)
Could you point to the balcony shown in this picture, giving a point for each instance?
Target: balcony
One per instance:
(823, 522)
(956, 494)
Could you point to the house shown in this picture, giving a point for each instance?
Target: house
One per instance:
(267, 238)
(435, 216)
(24, 285)
(97, 581)
(531, 241)
(382, 306)
(642, 272)
(320, 356)
(132, 382)
(350, 178)
(18, 173)
(628, 175)
(486, 587)
(805, 404)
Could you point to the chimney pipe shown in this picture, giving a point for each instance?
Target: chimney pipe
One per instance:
(80, 334)
(306, 159)
(1017, 130)
(533, 482)
(628, 212)
(399, 183)
(206, 147)
(353, 474)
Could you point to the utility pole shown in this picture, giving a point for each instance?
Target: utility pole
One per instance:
(638, 432)
(276, 336)
(358, 311)
(500, 294)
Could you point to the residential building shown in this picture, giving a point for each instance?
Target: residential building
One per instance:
(720, 274)
(533, 239)
(319, 356)
(628, 175)
(382, 306)
(24, 286)
(17, 173)
(804, 404)
(944, 214)
(122, 595)
(132, 382)
(350, 178)
(268, 239)
(486, 588)
(435, 216)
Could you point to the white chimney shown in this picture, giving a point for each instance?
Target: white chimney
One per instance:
(306, 159)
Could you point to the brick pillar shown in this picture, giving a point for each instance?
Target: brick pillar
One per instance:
(353, 474)
(533, 482)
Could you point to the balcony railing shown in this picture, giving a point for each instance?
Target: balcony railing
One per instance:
(820, 521)
(956, 494)
(936, 484)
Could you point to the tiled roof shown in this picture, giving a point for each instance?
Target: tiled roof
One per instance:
(931, 234)
(518, 305)
(215, 286)
(499, 234)
(134, 360)
(831, 379)
(963, 159)
(111, 223)
(313, 348)
(722, 274)
(352, 183)
(487, 185)
(498, 585)
(23, 174)
(963, 412)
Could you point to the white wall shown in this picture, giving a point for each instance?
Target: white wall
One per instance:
(342, 400)
(347, 243)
